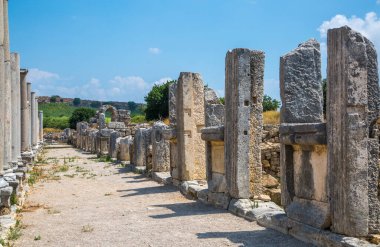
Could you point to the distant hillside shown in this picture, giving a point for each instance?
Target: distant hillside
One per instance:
(135, 108)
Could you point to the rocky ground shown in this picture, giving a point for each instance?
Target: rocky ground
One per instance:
(82, 201)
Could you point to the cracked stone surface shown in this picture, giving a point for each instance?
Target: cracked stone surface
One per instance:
(119, 208)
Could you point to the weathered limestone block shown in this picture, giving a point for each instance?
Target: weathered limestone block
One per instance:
(113, 146)
(160, 149)
(243, 122)
(141, 144)
(103, 139)
(125, 144)
(190, 120)
(303, 137)
(301, 69)
(116, 125)
(351, 111)
(102, 121)
(213, 134)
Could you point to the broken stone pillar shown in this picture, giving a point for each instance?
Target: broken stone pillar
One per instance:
(170, 134)
(353, 144)
(113, 146)
(16, 108)
(41, 125)
(104, 141)
(213, 134)
(142, 146)
(124, 144)
(243, 122)
(102, 121)
(303, 137)
(160, 149)
(190, 121)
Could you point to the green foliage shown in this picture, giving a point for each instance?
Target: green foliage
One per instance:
(53, 99)
(56, 109)
(76, 101)
(81, 114)
(222, 101)
(132, 106)
(108, 120)
(95, 104)
(270, 104)
(56, 122)
(138, 119)
(158, 102)
(14, 199)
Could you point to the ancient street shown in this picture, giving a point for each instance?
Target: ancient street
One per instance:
(97, 203)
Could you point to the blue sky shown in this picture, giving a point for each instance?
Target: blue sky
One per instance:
(117, 49)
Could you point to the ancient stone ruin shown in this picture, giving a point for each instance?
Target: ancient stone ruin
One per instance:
(21, 124)
(315, 177)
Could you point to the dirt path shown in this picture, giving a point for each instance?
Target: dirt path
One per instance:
(99, 204)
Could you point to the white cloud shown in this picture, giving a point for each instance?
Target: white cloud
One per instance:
(162, 80)
(119, 88)
(369, 26)
(154, 50)
(38, 75)
(378, 1)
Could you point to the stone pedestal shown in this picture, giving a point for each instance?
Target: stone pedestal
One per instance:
(243, 122)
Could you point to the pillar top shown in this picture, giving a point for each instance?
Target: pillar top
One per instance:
(24, 71)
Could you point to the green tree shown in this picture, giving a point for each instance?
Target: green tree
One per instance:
(132, 106)
(95, 104)
(222, 100)
(76, 102)
(158, 102)
(53, 99)
(270, 104)
(81, 114)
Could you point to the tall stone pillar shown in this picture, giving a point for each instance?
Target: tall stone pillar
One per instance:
(243, 122)
(353, 147)
(190, 121)
(24, 111)
(7, 103)
(41, 125)
(16, 107)
(33, 118)
(36, 125)
(29, 112)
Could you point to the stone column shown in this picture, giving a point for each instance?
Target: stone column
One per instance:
(243, 122)
(24, 111)
(160, 149)
(41, 125)
(2, 102)
(36, 125)
(16, 107)
(7, 103)
(190, 121)
(29, 97)
(33, 118)
(352, 111)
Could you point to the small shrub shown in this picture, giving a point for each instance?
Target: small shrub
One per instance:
(36, 238)
(138, 119)
(15, 232)
(87, 228)
(14, 199)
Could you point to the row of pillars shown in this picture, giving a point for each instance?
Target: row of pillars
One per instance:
(20, 120)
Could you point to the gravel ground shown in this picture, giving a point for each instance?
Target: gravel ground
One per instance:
(100, 204)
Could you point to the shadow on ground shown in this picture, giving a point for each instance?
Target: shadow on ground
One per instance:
(187, 209)
(257, 238)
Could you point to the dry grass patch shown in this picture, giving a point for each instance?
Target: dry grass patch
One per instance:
(271, 117)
